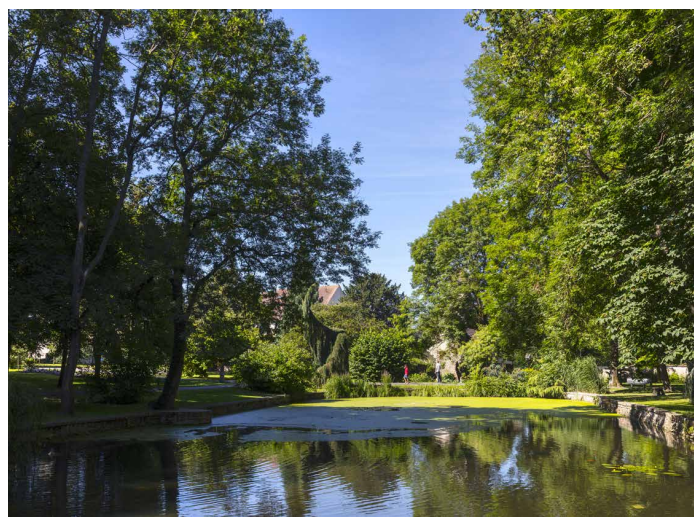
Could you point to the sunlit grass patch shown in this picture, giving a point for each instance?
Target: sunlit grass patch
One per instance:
(469, 404)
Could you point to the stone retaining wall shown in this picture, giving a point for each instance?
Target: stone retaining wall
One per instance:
(674, 428)
(128, 421)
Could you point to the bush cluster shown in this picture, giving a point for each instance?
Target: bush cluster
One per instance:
(344, 386)
(376, 352)
(421, 378)
(280, 367)
(121, 382)
(25, 412)
(551, 380)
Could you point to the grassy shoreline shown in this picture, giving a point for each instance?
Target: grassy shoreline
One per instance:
(45, 385)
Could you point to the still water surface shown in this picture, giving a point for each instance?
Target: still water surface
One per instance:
(534, 465)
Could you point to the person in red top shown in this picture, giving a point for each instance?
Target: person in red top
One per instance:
(406, 377)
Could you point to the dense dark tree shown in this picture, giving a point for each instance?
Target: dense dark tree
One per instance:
(376, 295)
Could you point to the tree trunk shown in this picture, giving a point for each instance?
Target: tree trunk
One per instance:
(664, 377)
(688, 388)
(78, 259)
(64, 343)
(221, 371)
(614, 364)
(166, 400)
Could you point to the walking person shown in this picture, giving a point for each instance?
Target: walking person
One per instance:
(457, 369)
(406, 378)
(437, 369)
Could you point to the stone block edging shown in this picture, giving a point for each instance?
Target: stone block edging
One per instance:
(128, 421)
(671, 426)
(201, 415)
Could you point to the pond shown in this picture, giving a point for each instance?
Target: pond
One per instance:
(525, 464)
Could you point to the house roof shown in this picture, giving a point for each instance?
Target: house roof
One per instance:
(325, 293)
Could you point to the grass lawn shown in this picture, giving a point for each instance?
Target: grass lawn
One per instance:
(194, 397)
(41, 382)
(673, 401)
(193, 382)
(45, 384)
(477, 405)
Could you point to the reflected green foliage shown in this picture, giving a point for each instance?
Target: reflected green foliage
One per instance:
(532, 464)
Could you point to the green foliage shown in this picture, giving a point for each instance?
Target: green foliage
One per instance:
(482, 350)
(447, 274)
(689, 388)
(344, 386)
(124, 381)
(223, 327)
(282, 367)
(376, 352)
(579, 239)
(375, 295)
(346, 316)
(448, 391)
(502, 385)
(25, 412)
(553, 377)
(421, 378)
(330, 347)
(676, 379)
(339, 386)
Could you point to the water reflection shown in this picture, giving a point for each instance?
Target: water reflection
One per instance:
(537, 465)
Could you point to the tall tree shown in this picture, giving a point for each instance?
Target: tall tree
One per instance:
(591, 111)
(448, 274)
(155, 57)
(236, 185)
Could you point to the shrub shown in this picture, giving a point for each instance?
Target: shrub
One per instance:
(375, 352)
(504, 385)
(675, 379)
(553, 377)
(25, 413)
(30, 363)
(340, 386)
(194, 366)
(450, 391)
(345, 387)
(449, 378)
(281, 367)
(421, 377)
(583, 375)
(122, 382)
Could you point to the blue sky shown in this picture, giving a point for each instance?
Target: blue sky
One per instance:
(397, 88)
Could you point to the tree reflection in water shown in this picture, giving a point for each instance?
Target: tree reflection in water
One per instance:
(538, 465)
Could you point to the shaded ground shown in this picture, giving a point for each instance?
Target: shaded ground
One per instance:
(45, 385)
